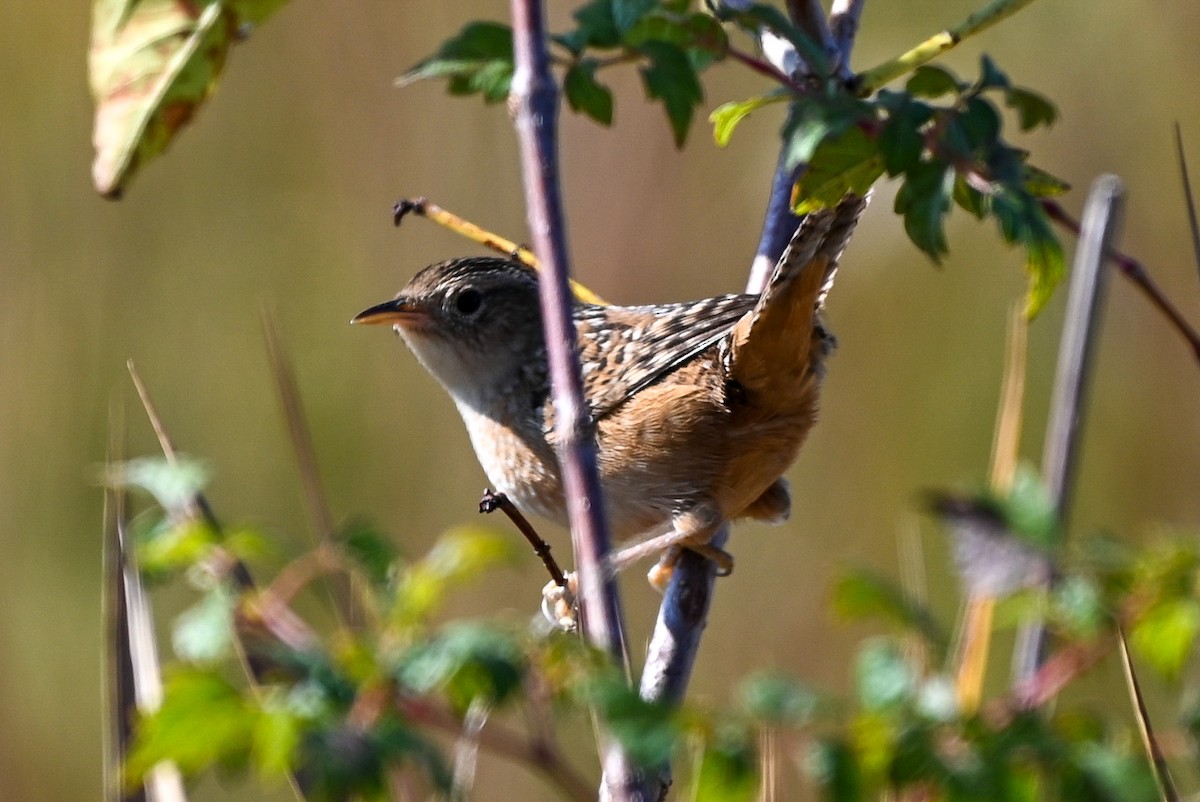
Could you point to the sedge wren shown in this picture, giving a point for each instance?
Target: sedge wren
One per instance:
(698, 407)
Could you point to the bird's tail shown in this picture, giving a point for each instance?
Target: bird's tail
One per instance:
(772, 348)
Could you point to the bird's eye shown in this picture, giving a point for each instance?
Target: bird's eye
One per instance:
(468, 302)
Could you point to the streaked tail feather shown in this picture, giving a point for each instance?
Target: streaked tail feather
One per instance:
(771, 348)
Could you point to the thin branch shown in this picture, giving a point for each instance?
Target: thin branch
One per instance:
(498, 501)
(767, 69)
(1136, 272)
(878, 76)
(1075, 356)
(1154, 753)
(534, 100)
(1188, 198)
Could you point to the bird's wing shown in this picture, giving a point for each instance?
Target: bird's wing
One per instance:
(626, 348)
(771, 350)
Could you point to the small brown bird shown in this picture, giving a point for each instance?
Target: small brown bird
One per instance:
(699, 407)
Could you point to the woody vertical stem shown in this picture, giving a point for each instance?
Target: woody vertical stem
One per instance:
(534, 99)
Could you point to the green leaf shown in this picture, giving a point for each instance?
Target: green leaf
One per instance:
(1079, 608)
(671, 78)
(1166, 634)
(699, 31)
(170, 548)
(151, 65)
(459, 556)
(371, 551)
(649, 731)
(1022, 220)
(977, 203)
(933, 82)
(902, 140)
(861, 594)
(203, 720)
(173, 486)
(478, 59)
(813, 122)
(779, 700)
(726, 117)
(276, 736)
(1029, 511)
(585, 94)
(924, 200)
(627, 13)
(597, 25)
(846, 164)
(1115, 777)
(990, 76)
(833, 766)
(1042, 184)
(1032, 109)
(883, 677)
(466, 662)
(204, 632)
(728, 771)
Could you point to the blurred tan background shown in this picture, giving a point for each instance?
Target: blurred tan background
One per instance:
(280, 195)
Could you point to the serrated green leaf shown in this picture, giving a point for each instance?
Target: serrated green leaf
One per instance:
(204, 632)
(478, 59)
(924, 200)
(883, 676)
(932, 82)
(990, 75)
(1046, 267)
(597, 27)
(902, 140)
(726, 117)
(1166, 635)
(1032, 109)
(860, 595)
(671, 78)
(980, 124)
(202, 720)
(780, 700)
(585, 94)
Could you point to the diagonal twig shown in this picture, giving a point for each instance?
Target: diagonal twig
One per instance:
(1136, 272)
(1188, 198)
(499, 501)
(1154, 753)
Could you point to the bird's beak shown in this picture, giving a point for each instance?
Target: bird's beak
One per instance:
(401, 312)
